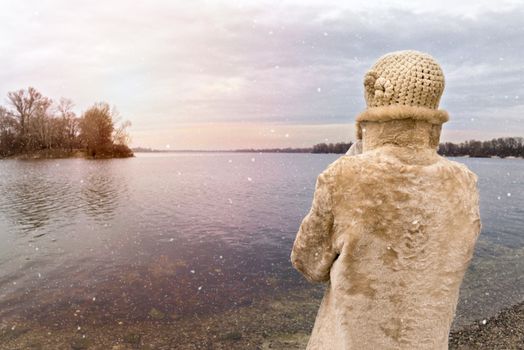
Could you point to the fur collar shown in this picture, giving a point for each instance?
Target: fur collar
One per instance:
(398, 112)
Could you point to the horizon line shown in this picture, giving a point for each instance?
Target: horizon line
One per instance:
(251, 149)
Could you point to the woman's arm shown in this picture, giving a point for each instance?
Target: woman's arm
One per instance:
(313, 252)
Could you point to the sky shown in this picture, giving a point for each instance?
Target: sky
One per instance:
(256, 74)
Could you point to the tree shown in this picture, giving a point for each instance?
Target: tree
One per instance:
(120, 134)
(500, 147)
(27, 104)
(7, 133)
(39, 128)
(69, 123)
(35, 126)
(96, 129)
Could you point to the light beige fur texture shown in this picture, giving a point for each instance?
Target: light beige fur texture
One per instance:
(392, 232)
(385, 113)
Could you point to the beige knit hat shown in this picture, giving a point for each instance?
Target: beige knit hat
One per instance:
(402, 85)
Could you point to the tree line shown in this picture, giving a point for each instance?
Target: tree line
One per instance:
(33, 123)
(339, 147)
(275, 150)
(499, 147)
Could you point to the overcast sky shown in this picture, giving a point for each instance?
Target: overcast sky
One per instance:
(234, 74)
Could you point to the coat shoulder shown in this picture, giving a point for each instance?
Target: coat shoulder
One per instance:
(345, 165)
(460, 170)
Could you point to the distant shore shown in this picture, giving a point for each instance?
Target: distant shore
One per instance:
(507, 147)
(284, 150)
(250, 150)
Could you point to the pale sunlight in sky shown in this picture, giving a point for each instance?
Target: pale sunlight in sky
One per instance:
(242, 74)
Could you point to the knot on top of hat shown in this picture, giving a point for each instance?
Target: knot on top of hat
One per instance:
(378, 89)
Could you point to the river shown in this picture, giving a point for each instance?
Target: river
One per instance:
(170, 237)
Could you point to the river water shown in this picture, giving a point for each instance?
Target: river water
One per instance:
(171, 236)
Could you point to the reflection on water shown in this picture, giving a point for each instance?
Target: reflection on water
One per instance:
(36, 197)
(29, 203)
(175, 236)
(29, 199)
(99, 195)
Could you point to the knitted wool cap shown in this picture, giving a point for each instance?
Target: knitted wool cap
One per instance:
(401, 85)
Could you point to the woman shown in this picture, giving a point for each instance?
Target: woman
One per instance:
(392, 230)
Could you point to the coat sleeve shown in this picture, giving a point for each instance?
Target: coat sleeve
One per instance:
(355, 149)
(313, 252)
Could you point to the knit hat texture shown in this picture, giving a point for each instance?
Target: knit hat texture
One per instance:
(403, 85)
(409, 78)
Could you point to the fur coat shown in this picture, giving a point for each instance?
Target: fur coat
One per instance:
(391, 231)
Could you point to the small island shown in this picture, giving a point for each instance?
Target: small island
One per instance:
(33, 126)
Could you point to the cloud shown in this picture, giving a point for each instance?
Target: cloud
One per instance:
(167, 63)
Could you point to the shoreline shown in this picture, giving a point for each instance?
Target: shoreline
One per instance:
(48, 154)
(283, 323)
(59, 154)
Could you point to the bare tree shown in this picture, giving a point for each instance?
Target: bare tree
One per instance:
(26, 104)
(39, 127)
(7, 133)
(69, 122)
(121, 135)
